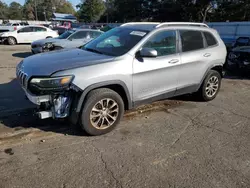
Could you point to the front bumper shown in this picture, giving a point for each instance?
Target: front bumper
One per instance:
(56, 106)
(238, 65)
(38, 100)
(37, 50)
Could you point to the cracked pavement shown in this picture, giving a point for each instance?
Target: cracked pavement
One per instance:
(182, 143)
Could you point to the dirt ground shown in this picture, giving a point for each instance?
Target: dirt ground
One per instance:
(174, 143)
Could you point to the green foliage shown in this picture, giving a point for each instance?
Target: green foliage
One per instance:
(3, 10)
(66, 8)
(15, 11)
(91, 10)
(131, 10)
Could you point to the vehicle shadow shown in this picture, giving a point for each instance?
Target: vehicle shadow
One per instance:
(22, 54)
(17, 113)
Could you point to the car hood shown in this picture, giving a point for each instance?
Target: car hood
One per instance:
(48, 63)
(51, 40)
(242, 49)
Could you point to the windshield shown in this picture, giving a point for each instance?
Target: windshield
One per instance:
(115, 42)
(8, 24)
(66, 34)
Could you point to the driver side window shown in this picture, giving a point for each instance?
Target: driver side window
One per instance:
(164, 42)
(25, 30)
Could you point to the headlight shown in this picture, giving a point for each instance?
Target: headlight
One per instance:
(48, 45)
(232, 55)
(52, 83)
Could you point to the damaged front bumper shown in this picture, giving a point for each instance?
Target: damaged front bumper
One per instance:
(55, 106)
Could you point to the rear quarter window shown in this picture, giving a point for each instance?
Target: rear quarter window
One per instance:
(211, 41)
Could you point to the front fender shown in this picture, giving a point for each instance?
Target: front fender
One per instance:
(103, 84)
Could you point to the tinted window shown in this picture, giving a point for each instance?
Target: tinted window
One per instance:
(15, 25)
(95, 34)
(191, 40)
(116, 42)
(66, 34)
(211, 41)
(25, 30)
(80, 35)
(163, 42)
(39, 29)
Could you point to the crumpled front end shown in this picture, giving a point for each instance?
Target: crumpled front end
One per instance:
(53, 95)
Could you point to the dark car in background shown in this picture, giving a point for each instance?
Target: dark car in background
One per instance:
(238, 59)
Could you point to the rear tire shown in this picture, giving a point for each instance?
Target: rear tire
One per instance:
(210, 86)
(11, 41)
(102, 111)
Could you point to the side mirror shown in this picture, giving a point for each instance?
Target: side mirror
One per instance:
(148, 52)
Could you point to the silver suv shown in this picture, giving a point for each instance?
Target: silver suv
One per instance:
(130, 65)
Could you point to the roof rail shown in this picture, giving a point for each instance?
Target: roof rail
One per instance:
(182, 24)
(131, 23)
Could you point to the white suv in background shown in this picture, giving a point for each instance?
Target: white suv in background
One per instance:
(27, 34)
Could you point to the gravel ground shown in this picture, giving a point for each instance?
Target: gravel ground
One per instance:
(180, 143)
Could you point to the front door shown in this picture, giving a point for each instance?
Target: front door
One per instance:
(155, 78)
(24, 35)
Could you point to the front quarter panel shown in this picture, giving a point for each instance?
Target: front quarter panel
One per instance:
(117, 70)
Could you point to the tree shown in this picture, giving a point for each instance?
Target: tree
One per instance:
(66, 7)
(29, 10)
(3, 10)
(91, 10)
(15, 11)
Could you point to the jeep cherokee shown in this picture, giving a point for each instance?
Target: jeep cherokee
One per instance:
(130, 65)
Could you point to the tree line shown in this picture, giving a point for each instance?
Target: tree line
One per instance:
(34, 9)
(131, 10)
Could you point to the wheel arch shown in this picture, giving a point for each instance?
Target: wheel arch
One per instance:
(218, 68)
(115, 85)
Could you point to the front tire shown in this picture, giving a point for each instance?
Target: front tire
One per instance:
(210, 86)
(11, 41)
(102, 111)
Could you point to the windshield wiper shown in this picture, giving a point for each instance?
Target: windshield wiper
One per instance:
(93, 50)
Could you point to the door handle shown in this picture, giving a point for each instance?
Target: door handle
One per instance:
(174, 61)
(207, 55)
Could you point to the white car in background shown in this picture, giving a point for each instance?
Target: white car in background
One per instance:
(27, 34)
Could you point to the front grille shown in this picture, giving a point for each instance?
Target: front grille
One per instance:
(22, 78)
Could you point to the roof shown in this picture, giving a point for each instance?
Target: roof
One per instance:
(149, 26)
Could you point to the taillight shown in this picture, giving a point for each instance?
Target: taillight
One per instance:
(15, 28)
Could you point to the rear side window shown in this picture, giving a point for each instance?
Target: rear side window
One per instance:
(95, 34)
(191, 40)
(79, 35)
(39, 29)
(211, 41)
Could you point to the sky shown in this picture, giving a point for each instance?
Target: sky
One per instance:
(74, 2)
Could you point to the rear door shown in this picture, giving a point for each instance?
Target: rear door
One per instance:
(39, 33)
(193, 60)
(79, 38)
